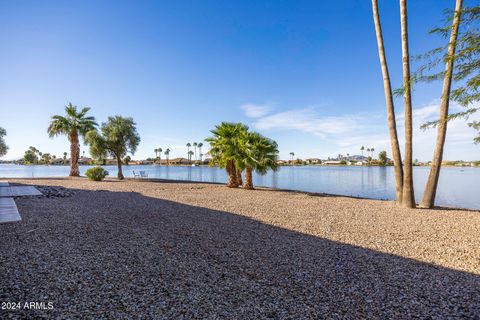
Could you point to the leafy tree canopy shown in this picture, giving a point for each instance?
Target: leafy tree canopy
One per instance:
(117, 137)
(3, 144)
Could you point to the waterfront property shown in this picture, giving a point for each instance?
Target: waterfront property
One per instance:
(457, 188)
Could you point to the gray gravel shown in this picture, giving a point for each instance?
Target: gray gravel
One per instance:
(193, 251)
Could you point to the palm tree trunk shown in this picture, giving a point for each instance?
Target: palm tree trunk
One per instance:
(232, 174)
(119, 165)
(428, 199)
(408, 198)
(74, 154)
(392, 125)
(248, 179)
(239, 177)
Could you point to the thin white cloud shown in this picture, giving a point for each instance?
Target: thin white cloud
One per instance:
(255, 111)
(308, 121)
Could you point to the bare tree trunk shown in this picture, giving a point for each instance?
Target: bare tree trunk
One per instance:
(239, 177)
(408, 198)
(232, 174)
(392, 125)
(120, 172)
(248, 179)
(428, 200)
(74, 154)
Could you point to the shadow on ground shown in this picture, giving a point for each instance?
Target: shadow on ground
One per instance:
(125, 255)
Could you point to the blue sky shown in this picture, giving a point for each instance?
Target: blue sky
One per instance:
(305, 73)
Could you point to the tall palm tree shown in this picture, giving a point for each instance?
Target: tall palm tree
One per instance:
(371, 151)
(292, 154)
(392, 124)
(65, 158)
(200, 145)
(156, 153)
(225, 148)
(167, 155)
(188, 151)
(160, 155)
(361, 149)
(190, 154)
(257, 153)
(74, 124)
(408, 198)
(195, 147)
(428, 199)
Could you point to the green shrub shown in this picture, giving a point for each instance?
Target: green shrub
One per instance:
(96, 173)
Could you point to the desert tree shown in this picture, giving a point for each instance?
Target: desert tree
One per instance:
(117, 137)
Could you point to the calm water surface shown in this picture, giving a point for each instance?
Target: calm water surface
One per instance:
(458, 187)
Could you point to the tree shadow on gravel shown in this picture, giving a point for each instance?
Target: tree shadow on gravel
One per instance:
(125, 255)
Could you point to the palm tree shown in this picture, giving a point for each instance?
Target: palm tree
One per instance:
(190, 154)
(225, 148)
(408, 198)
(200, 145)
(361, 149)
(116, 138)
(167, 155)
(156, 153)
(371, 151)
(195, 147)
(292, 154)
(73, 124)
(65, 158)
(428, 199)
(392, 125)
(258, 153)
(160, 155)
(188, 151)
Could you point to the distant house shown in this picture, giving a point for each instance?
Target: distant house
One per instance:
(84, 161)
(177, 161)
(282, 162)
(59, 161)
(143, 162)
(332, 162)
(295, 162)
(313, 161)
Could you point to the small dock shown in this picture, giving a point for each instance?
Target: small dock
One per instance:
(8, 208)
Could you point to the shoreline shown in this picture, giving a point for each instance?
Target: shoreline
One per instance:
(309, 193)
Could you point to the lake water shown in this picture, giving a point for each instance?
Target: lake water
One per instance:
(458, 186)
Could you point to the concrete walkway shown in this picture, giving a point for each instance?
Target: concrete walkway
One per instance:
(8, 211)
(8, 208)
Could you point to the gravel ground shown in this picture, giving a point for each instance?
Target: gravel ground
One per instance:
(168, 250)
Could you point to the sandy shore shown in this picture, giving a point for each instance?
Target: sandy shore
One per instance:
(187, 250)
